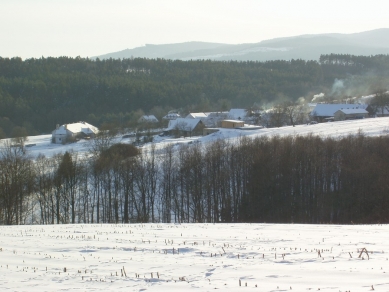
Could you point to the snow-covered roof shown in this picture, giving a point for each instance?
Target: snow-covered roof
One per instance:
(171, 116)
(233, 121)
(328, 110)
(237, 113)
(217, 114)
(196, 115)
(148, 118)
(80, 127)
(184, 124)
(354, 111)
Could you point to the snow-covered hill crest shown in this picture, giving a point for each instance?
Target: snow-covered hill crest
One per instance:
(369, 127)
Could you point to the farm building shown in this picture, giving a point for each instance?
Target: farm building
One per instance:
(323, 111)
(71, 132)
(230, 124)
(348, 114)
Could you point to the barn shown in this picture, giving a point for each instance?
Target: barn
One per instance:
(230, 124)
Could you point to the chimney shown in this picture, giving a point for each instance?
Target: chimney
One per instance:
(57, 127)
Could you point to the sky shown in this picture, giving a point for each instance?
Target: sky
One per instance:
(87, 28)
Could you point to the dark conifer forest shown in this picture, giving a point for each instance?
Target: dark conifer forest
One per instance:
(37, 94)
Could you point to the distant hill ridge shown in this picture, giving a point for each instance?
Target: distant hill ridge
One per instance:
(306, 47)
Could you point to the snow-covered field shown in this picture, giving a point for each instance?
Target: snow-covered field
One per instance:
(205, 257)
(370, 127)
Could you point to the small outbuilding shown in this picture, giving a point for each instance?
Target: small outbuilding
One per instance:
(231, 124)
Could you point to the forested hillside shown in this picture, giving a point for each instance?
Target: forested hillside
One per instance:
(37, 94)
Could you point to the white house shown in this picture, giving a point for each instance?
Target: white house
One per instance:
(148, 119)
(70, 132)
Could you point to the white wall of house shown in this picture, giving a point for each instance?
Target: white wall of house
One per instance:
(67, 132)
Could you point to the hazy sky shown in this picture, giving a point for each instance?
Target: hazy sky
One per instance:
(35, 28)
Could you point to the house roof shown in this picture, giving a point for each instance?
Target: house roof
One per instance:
(171, 116)
(149, 118)
(217, 114)
(237, 113)
(354, 111)
(184, 124)
(328, 110)
(196, 115)
(233, 121)
(80, 127)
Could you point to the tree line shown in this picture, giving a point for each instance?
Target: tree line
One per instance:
(37, 94)
(293, 179)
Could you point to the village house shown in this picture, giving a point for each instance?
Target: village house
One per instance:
(184, 127)
(71, 132)
(148, 119)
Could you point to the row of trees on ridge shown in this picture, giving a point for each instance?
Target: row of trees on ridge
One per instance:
(300, 179)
